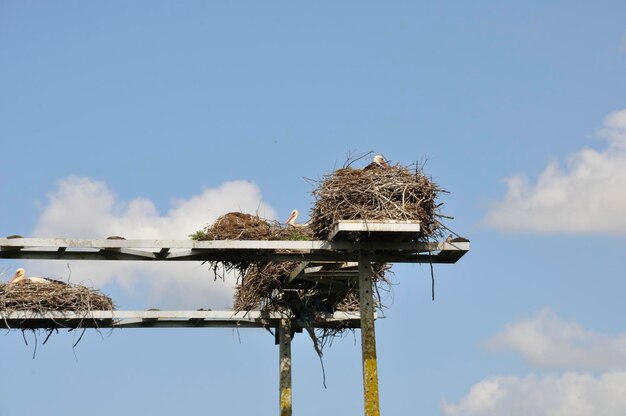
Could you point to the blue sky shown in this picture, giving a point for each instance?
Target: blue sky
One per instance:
(150, 119)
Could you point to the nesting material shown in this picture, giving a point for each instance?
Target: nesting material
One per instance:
(259, 281)
(350, 302)
(382, 283)
(261, 286)
(51, 297)
(262, 289)
(240, 226)
(393, 193)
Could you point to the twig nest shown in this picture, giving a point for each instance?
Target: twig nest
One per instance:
(52, 297)
(238, 226)
(394, 193)
(261, 286)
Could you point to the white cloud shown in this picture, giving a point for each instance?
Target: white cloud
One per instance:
(547, 341)
(570, 394)
(587, 197)
(84, 208)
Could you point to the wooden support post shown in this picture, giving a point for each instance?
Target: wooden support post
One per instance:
(368, 338)
(284, 340)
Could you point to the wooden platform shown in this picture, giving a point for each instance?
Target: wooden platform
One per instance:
(326, 265)
(233, 250)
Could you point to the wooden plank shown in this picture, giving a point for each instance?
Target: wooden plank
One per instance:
(390, 230)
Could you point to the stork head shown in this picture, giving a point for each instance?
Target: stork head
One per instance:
(19, 275)
(380, 161)
(292, 218)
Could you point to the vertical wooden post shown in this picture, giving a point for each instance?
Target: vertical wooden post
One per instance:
(284, 341)
(368, 338)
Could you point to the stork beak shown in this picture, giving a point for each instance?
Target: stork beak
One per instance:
(289, 219)
(385, 164)
(14, 277)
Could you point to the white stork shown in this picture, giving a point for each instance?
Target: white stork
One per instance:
(377, 162)
(20, 275)
(292, 219)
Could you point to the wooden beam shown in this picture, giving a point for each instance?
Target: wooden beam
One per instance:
(284, 341)
(368, 337)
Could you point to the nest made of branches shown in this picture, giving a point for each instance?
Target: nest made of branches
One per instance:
(262, 287)
(393, 193)
(240, 226)
(51, 297)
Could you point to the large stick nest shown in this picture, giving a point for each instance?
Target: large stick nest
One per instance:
(262, 285)
(262, 288)
(393, 193)
(240, 226)
(51, 297)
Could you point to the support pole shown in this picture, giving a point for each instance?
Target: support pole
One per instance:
(284, 341)
(368, 338)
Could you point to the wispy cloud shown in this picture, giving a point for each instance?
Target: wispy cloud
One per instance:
(571, 394)
(85, 208)
(586, 197)
(547, 341)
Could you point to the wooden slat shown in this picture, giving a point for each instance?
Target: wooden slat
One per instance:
(375, 230)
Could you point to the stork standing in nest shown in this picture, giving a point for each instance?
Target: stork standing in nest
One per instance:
(20, 276)
(292, 219)
(378, 162)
